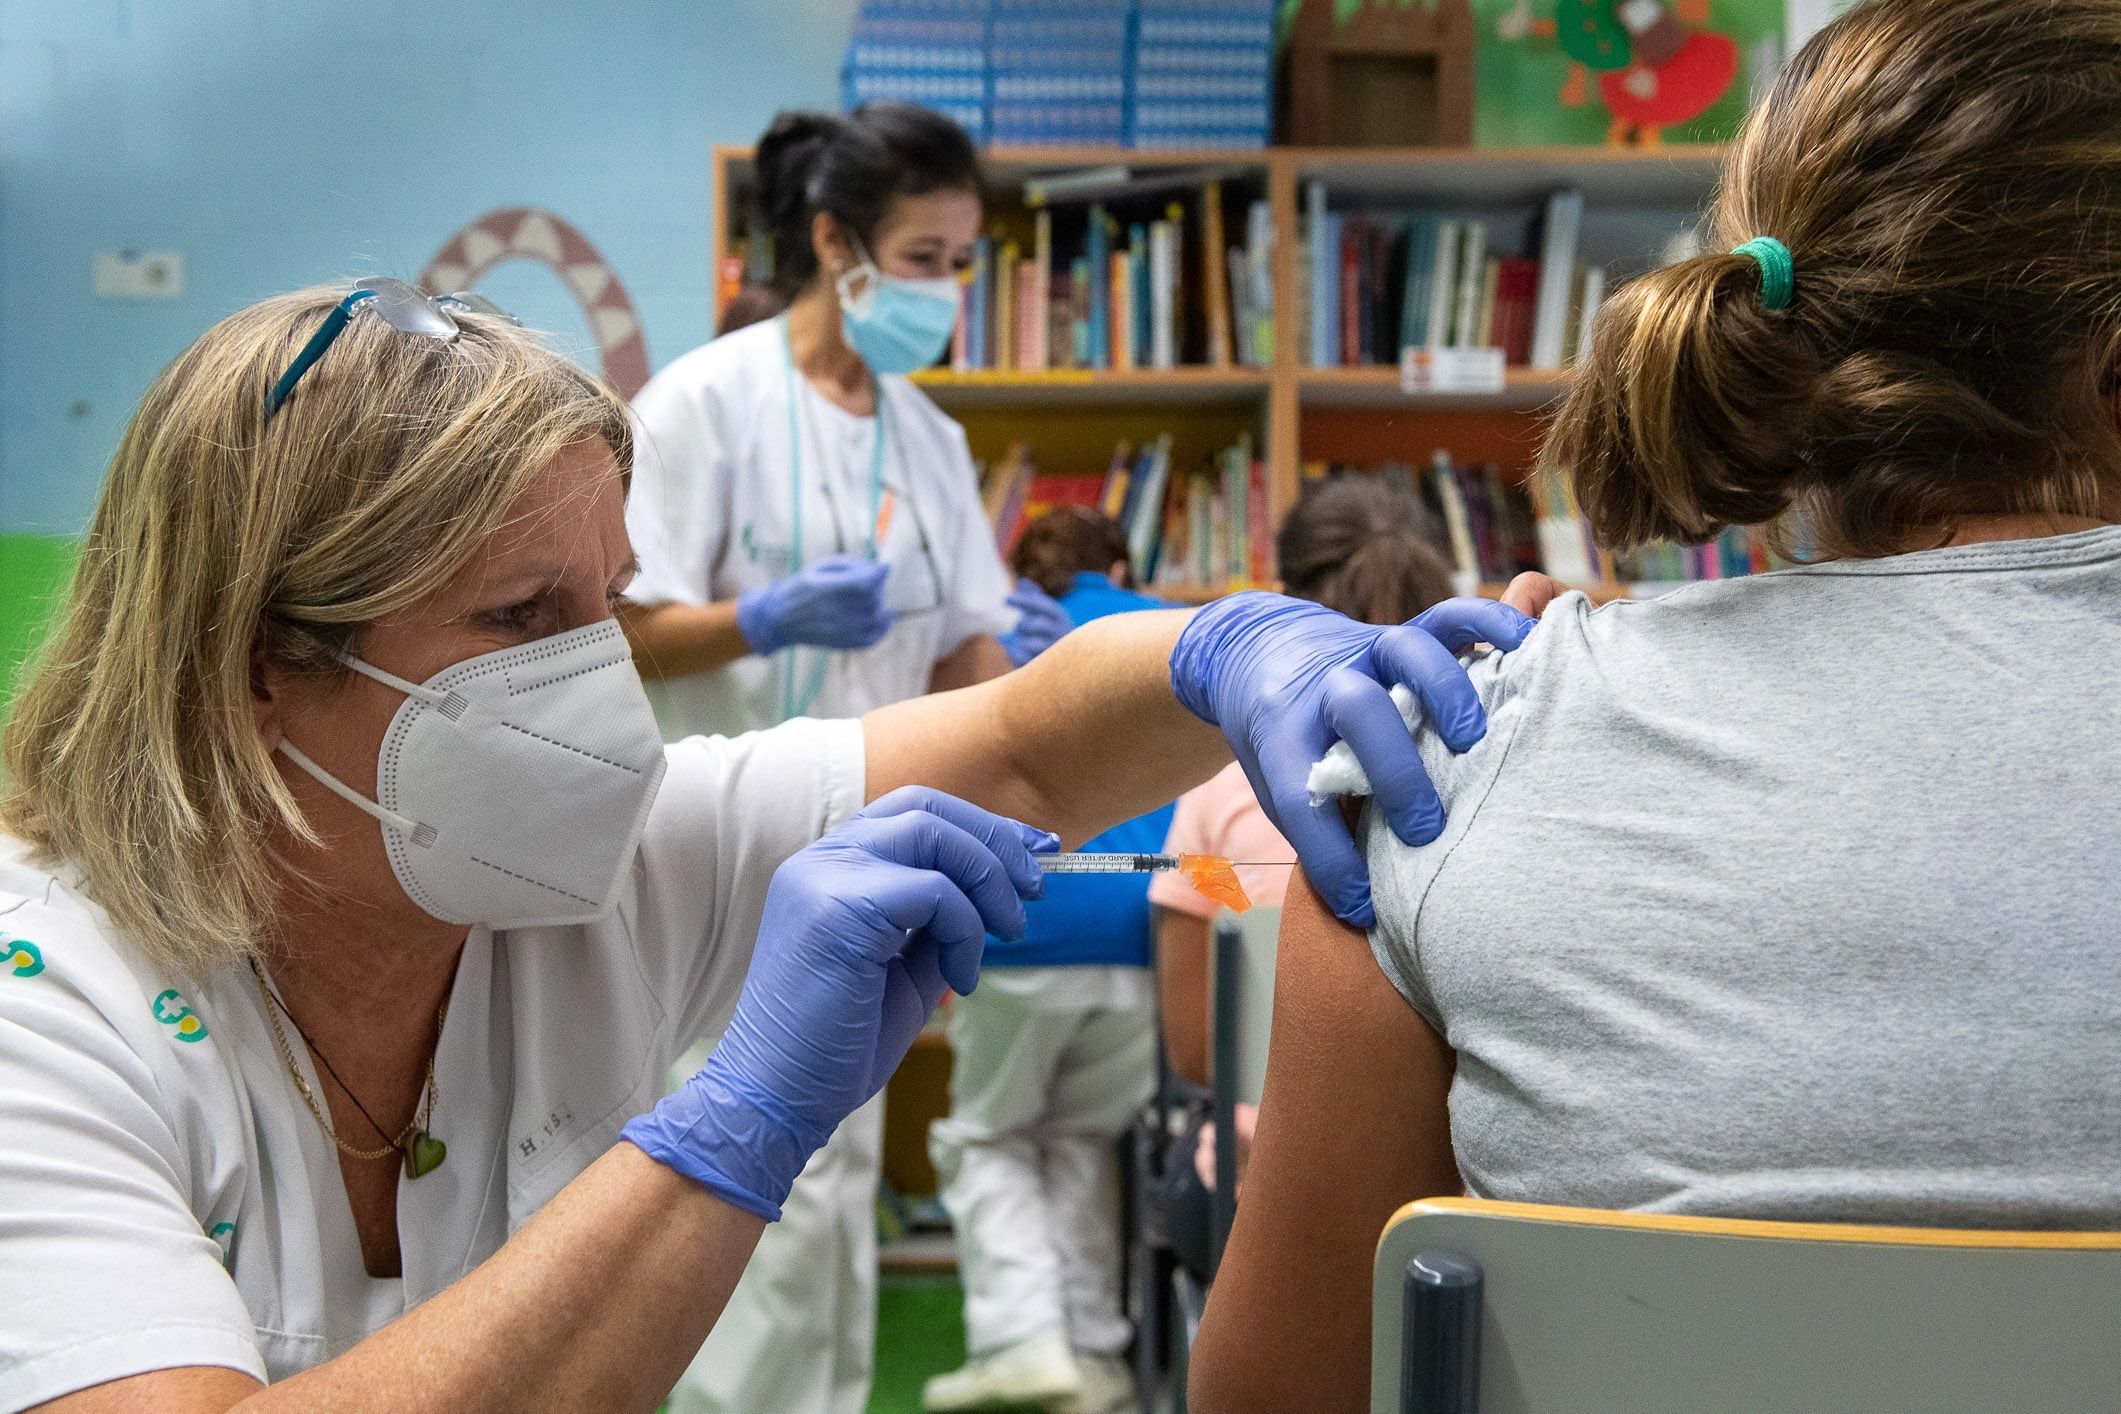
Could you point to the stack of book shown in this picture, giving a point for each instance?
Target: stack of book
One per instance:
(1093, 292)
(1058, 72)
(930, 52)
(1381, 281)
(1203, 74)
(1086, 73)
(1203, 527)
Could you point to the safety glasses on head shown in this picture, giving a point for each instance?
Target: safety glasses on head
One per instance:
(399, 305)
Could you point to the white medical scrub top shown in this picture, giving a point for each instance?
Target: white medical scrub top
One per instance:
(711, 514)
(167, 1199)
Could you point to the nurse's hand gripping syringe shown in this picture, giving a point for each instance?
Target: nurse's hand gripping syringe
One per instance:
(1214, 876)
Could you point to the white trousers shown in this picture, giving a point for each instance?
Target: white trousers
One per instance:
(799, 1333)
(1048, 1066)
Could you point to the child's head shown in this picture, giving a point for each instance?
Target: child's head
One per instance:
(1946, 175)
(1067, 541)
(1354, 544)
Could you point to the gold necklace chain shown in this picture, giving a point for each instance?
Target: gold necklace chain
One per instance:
(273, 1006)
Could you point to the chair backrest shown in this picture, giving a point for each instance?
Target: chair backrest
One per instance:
(1578, 1311)
(1241, 986)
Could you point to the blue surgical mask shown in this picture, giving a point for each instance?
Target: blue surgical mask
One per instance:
(896, 325)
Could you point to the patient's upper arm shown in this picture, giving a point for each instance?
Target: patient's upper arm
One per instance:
(1352, 1124)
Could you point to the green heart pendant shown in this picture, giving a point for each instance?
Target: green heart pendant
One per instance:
(424, 1154)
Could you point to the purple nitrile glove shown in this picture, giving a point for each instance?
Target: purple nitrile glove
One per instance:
(1285, 678)
(1041, 623)
(836, 602)
(861, 934)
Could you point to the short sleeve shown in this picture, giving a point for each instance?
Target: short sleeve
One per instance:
(979, 599)
(105, 1272)
(1401, 874)
(1191, 833)
(730, 811)
(676, 507)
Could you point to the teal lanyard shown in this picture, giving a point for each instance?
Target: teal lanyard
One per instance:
(794, 704)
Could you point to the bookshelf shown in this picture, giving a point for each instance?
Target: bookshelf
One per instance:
(1296, 413)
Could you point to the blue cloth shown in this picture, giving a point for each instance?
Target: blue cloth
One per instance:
(1093, 918)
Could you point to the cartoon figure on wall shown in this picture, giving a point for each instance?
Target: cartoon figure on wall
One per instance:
(528, 233)
(1656, 64)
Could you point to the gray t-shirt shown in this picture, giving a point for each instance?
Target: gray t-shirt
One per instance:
(1791, 897)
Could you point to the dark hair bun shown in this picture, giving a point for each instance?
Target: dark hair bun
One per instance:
(852, 168)
(788, 154)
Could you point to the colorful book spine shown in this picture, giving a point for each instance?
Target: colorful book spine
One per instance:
(1030, 317)
(1098, 255)
(1325, 259)
(1472, 266)
(1004, 336)
(1041, 357)
(1215, 293)
(1259, 262)
(1557, 278)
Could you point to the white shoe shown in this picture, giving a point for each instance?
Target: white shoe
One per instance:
(1108, 1386)
(1035, 1373)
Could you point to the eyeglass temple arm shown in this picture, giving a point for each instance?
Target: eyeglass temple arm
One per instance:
(334, 323)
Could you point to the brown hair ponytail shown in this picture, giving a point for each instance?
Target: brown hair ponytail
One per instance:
(1947, 176)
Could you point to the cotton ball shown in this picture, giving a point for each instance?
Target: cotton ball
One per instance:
(1339, 773)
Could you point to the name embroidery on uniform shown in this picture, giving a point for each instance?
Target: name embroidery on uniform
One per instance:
(182, 1018)
(536, 1139)
(23, 957)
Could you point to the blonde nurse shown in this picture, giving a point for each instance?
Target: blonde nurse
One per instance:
(812, 544)
(352, 910)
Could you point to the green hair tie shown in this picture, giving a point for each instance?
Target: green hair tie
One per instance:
(1778, 273)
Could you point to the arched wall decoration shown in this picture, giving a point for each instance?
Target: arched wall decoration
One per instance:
(528, 233)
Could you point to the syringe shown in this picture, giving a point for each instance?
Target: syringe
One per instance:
(1094, 863)
(1214, 876)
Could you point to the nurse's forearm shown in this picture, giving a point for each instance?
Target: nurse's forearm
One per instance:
(678, 640)
(598, 1303)
(1085, 736)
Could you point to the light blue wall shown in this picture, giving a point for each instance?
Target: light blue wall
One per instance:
(278, 143)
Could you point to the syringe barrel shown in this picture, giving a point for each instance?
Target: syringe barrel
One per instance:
(1098, 863)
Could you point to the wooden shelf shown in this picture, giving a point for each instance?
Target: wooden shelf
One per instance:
(1523, 390)
(1077, 387)
(1005, 168)
(1671, 176)
(1297, 412)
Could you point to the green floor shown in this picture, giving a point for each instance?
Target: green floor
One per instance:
(920, 1331)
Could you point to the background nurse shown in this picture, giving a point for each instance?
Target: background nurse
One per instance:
(812, 543)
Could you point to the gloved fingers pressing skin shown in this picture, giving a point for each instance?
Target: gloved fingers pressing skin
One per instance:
(1318, 833)
(1012, 841)
(1361, 713)
(1458, 624)
(1410, 655)
(922, 841)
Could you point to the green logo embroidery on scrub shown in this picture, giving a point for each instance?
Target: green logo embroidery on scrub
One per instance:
(24, 956)
(224, 1236)
(186, 1021)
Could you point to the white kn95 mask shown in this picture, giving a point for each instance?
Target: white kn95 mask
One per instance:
(512, 787)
